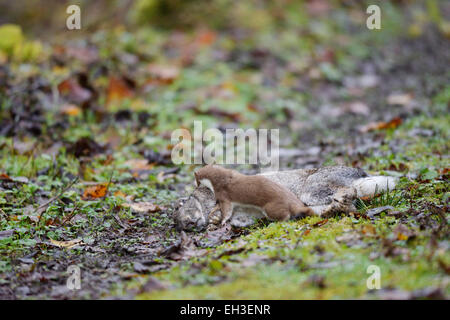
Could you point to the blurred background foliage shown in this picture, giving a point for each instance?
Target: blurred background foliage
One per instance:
(38, 19)
(38, 16)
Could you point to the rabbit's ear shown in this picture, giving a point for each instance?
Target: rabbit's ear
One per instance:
(197, 183)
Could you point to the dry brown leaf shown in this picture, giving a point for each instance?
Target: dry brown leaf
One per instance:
(95, 192)
(320, 223)
(74, 91)
(4, 176)
(369, 230)
(392, 124)
(118, 89)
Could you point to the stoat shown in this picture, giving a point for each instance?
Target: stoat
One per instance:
(233, 188)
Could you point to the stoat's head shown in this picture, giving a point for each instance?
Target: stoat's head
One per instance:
(210, 172)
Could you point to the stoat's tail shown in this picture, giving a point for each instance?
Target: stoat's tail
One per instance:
(370, 186)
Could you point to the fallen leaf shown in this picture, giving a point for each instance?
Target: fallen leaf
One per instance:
(72, 89)
(369, 230)
(402, 99)
(5, 177)
(392, 124)
(119, 88)
(119, 193)
(402, 232)
(163, 74)
(142, 207)
(70, 110)
(95, 192)
(67, 244)
(139, 164)
(320, 223)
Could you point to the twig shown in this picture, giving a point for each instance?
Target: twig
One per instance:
(109, 182)
(71, 215)
(42, 206)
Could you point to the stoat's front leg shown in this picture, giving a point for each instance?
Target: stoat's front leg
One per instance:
(214, 217)
(227, 210)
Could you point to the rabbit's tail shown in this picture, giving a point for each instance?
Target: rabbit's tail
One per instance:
(373, 185)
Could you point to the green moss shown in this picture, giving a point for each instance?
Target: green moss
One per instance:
(291, 262)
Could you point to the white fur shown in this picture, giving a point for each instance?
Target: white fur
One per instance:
(207, 183)
(366, 187)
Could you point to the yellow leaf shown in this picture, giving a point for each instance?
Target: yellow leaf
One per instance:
(67, 244)
(401, 236)
(71, 110)
(142, 207)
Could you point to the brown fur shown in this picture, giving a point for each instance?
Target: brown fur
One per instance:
(231, 187)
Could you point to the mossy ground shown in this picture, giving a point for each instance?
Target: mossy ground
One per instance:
(292, 259)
